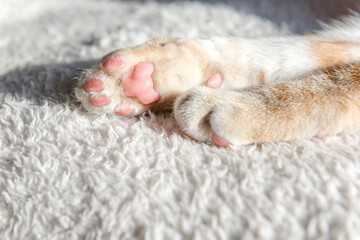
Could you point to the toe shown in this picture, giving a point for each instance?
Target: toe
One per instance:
(222, 142)
(100, 101)
(114, 64)
(94, 85)
(215, 81)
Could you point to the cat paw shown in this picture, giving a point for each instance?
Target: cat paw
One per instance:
(149, 76)
(219, 116)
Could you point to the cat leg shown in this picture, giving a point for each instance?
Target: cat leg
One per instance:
(324, 103)
(153, 75)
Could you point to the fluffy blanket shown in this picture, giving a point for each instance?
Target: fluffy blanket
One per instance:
(68, 174)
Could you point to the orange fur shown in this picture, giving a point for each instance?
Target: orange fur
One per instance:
(327, 103)
(261, 78)
(333, 53)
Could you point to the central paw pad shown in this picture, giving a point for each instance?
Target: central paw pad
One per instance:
(140, 84)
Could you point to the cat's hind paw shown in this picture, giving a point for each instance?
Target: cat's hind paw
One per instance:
(194, 113)
(220, 116)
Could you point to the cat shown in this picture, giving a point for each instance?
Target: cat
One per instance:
(237, 91)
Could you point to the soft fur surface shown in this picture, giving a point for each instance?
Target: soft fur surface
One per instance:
(68, 174)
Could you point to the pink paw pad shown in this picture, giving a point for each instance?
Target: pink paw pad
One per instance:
(215, 81)
(114, 64)
(140, 84)
(100, 101)
(125, 111)
(222, 142)
(94, 85)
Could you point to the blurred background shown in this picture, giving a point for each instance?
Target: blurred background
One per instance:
(68, 30)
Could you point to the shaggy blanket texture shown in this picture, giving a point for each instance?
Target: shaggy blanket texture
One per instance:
(68, 174)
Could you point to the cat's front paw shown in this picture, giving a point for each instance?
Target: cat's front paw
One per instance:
(221, 116)
(149, 76)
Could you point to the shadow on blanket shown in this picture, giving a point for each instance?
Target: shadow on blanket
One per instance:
(47, 82)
